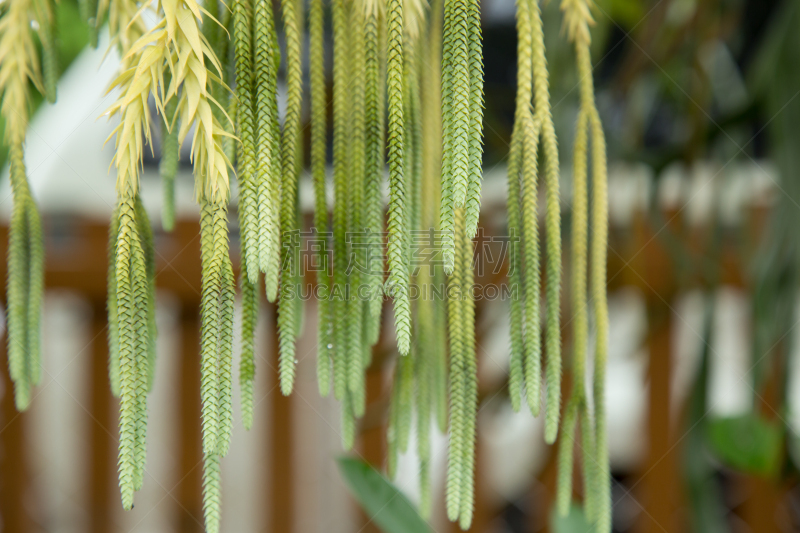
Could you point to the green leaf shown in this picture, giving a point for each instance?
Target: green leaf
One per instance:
(381, 500)
(574, 522)
(628, 13)
(747, 443)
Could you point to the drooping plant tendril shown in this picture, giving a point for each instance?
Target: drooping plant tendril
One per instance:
(407, 86)
(589, 154)
(25, 284)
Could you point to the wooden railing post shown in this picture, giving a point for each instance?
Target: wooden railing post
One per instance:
(660, 488)
(281, 454)
(14, 512)
(189, 495)
(102, 494)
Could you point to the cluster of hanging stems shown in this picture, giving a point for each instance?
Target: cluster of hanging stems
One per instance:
(405, 75)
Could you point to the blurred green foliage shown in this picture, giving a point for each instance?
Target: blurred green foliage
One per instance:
(705, 497)
(747, 443)
(627, 13)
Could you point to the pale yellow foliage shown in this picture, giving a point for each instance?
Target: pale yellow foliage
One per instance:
(19, 64)
(125, 25)
(377, 7)
(175, 43)
(414, 16)
(577, 20)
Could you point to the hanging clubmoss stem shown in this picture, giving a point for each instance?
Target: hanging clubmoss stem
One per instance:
(318, 172)
(25, 284)
(597, 500)
(340, 166)
(267, 171)
(290, 161)
(373, 171)
(246, 131)
(397, 284)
